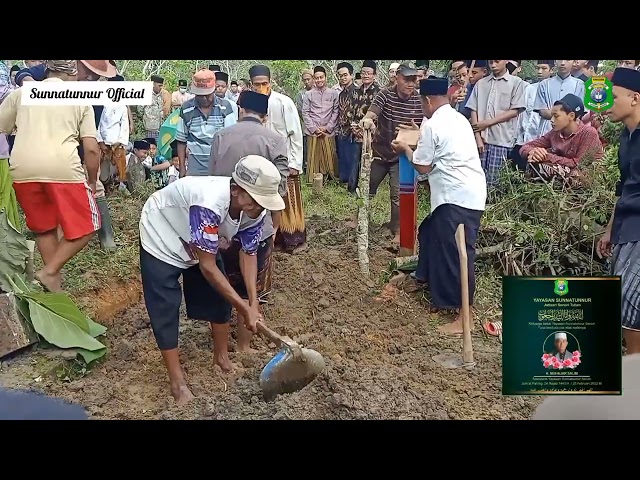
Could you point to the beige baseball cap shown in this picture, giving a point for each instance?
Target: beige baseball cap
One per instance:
(261, 179)
(599, 407)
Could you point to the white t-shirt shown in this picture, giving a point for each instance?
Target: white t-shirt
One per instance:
(193, 212)
(447, 142)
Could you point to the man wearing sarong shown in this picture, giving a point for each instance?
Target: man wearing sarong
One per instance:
(283, 119)
(622, 237)
(559, 153)
(250, 137)
(362, 100)
(156, 113)
(113, 138)
(49, 179)
(183, 227)
(346, 145)
(393, 108)
(495, 103)
(447, 153)
(200, 118)
(180, 96)
(320, 117)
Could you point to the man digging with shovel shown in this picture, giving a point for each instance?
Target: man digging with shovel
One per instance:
(183, 227)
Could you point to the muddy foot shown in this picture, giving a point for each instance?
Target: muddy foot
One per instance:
(298, 250)
(243, 349)
(182, 395)
(453, 328)
(226, 365)
(51, 283)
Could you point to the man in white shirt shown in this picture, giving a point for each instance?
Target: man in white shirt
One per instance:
(447, 153)
(113, 137)
(182, 229)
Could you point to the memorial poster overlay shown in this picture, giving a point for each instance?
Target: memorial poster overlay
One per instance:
(561, 336)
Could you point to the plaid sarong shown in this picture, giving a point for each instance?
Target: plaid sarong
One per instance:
(493, 161)
(152, 134)
(626, 263)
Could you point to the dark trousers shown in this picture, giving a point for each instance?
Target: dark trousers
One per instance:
(438, 259)
(379, 170)
(517, 162)
(305, 152)
(354, 176)
(346, 149)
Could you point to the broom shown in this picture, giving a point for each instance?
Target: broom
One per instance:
(8, 202)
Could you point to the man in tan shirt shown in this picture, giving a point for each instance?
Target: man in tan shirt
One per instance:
(49, 179)
(181, 96)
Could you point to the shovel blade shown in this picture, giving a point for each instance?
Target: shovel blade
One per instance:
(286, 374)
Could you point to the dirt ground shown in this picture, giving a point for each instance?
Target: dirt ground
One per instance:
(379, 356)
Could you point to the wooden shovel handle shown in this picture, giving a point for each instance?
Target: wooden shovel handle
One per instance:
(270, 334)
(465, 314)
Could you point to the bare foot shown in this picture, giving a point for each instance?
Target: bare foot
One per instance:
(453, 328)
(226, 365)
(52, 283)
(245, 349)
(181, 394)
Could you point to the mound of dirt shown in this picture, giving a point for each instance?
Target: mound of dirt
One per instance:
(378, 355)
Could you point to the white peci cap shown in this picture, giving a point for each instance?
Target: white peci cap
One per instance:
(561, 336)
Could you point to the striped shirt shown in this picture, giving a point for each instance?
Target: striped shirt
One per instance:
(393, 111)
(197, 131)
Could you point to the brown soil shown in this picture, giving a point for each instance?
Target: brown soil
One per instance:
(378, 355)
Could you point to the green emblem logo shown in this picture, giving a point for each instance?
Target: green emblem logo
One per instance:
(598, 95)
(561, 287)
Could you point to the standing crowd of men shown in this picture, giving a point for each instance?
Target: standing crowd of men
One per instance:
(240, 149)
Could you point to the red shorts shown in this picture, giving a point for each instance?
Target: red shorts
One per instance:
(70, 205)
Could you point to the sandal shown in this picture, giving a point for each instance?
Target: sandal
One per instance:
(494, 329)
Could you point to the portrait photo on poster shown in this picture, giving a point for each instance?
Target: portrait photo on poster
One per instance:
(561, 336)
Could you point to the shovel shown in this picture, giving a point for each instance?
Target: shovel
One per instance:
(292, 369)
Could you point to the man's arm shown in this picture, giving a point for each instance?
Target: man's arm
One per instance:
(31, 74)
(424, 155)
(541, 104)
(333, 119)
(123, 136)
(91, 150)
(9, 112)
(204, 224)
(181, 138)
(166, 104)
(294, 134)
(309, 124)
(249, 241)
(542, 142)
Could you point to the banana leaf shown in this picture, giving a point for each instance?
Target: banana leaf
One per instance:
(14, 252)
(8, 201)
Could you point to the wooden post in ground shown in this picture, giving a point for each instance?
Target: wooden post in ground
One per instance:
(363, 203)
(408, 196)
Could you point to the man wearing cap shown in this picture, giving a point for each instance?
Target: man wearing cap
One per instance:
(528, 120)
(553, 89)
(160, 108)
(200, 118)
(346, 145)
(422, 67)
(49, 179)
(250, 137)
(558, 153)
(447, 154)
(183, 227)
(622, 236)
(495, 103)
(320, 118)
(393, 68)
(392, 108)
(181, 95)
(282, 118)
(222, 88)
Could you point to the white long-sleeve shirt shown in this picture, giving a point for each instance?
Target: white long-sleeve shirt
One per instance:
(283, 118)
(114, 125)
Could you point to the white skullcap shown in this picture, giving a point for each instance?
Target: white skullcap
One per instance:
(561, 336)
(394, 66)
